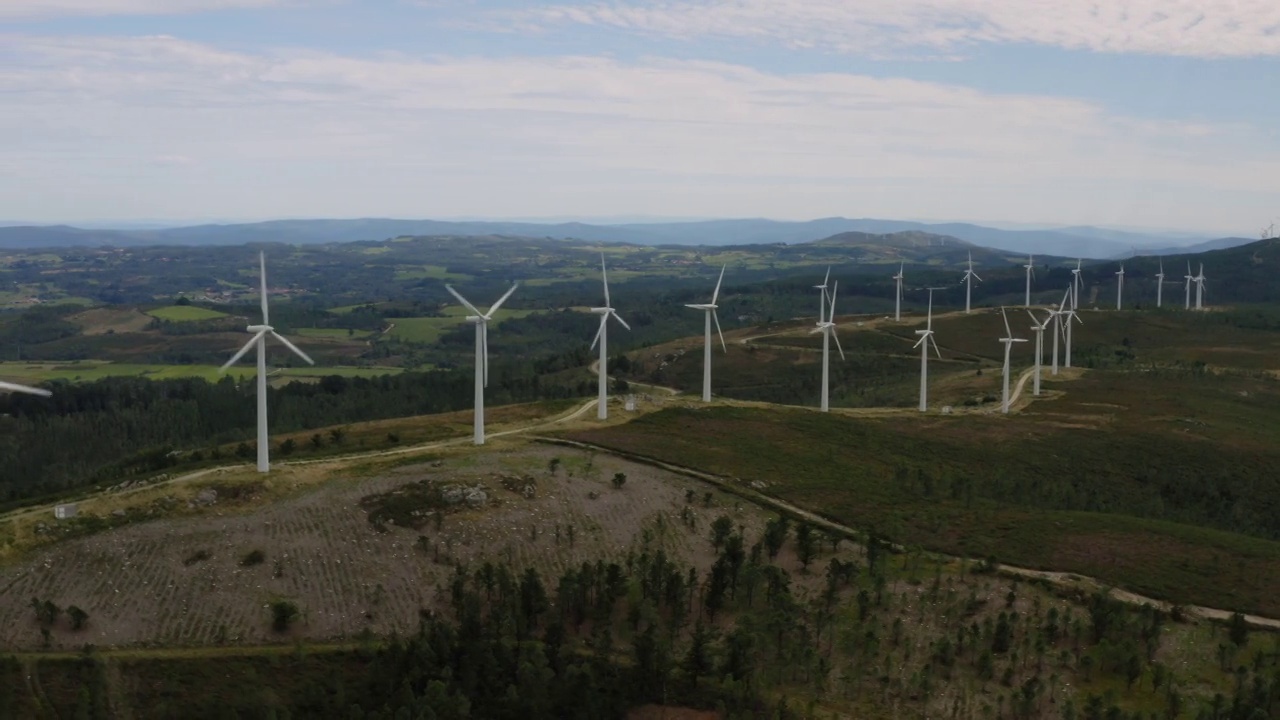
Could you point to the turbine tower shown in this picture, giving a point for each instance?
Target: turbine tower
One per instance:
(1008, 341)
(897, 298)
(1119, 286)
(969, 277)
(1200, 278)
(709, 309)
(1189, 277)
(1069, 314)
(1039, 328)
(1057, 326)
(828, 329)
(259, 340)
(602, 337)
(822, 296)
(14, 387)
(1031, 273)
(926, 338)
(1076, 280)
(481, 321)
(1160, 284)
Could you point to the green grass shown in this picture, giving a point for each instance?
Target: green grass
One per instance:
(423, 272)
(185, 313)
(329, 333)
(429, 329)
(1132, 480)
(90, 370)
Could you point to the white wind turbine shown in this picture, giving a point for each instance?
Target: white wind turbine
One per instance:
(1119, 286)
(1189, 277)
(602, 337)
(481, 321)
(259, 340)
(1057, 326)
(1069, 314)
(709, 309)
(1008, 341)
(14, 387)
(1200, 278)
(897, 298)
(827, 326)
(969, 277)
(822, 296)
(1031, 273)
(1160, 284)
(1039, 328)
(926, 339)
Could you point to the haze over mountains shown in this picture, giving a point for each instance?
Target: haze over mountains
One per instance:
(1083, 241)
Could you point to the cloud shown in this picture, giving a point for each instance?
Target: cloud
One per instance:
(45, 9)
(1195, 28)
(307, 133)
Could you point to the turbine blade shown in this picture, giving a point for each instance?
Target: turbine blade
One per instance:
(604, 275)
(716, 294)
(247, 346)
(828, 277)
(494, 308)
(716, 318)
(618, 317)
(484, 348)
(262, 274)
(837, 339)
(603, 320)
(14, 387)
(292, 347)
(831, 306)
(1007, 331)
(923, 338)
(975, 277)
(935, 347)
(462, 300)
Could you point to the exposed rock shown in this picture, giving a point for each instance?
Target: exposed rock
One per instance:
(208, 496)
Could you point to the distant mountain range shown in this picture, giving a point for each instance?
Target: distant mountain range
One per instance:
(1083, 241)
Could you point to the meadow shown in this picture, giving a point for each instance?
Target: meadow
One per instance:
(185, 313)
(429, 329)
(91, 370)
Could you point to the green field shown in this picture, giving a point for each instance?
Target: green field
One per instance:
(90, 370)
(424, 272)
(185, 313)
(329, 333)
(429, 329)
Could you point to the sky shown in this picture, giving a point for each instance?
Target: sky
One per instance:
(1130, 113)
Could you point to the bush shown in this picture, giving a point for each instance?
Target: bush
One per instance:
(195, 557)
(283, 613)
(255, 557)
(619, 479)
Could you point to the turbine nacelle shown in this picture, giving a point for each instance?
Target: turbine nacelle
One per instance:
(260, 328)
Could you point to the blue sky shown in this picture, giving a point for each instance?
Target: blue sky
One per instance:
(1152, 113)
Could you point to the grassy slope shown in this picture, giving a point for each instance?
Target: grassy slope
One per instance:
(184, 313)
(88, 371)
(1121, 434)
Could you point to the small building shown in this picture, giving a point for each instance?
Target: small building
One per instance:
(65, 512)
(631, 403)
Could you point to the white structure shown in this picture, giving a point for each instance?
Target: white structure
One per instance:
(1031, 273)
(1189, 277)
(897, 298)
(1119, 286)
(259, 340)
(602, 337)
(1057, 326)
(709, 309)
(822, 296)
(65, 511)
(14, 387)
(1069, 314)
(1076, 281)
(827, 326)
(1008, 341)
(481, 321)
(926, 338)
(969, 277)
(1200, 278)
(1039, 328)
(1160, 284)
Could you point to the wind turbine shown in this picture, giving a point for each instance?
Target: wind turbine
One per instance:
(1031, 273)
(897, 298)
(1119, 286)
(14, 387)
(1188, 277)
(1069, 315)
(1200, 278)
(827, 327)
(1057, 326)
(1008, 341)
(259, 340)
(926, 338)
(481, 321)
(1160, 284)
(1075, 288)
(1039, 328)
(602, 337)
(709, 309)
(969, 277)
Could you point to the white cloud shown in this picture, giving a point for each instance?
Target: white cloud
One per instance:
(43, 9)
(156, 126)
(1197, 28)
